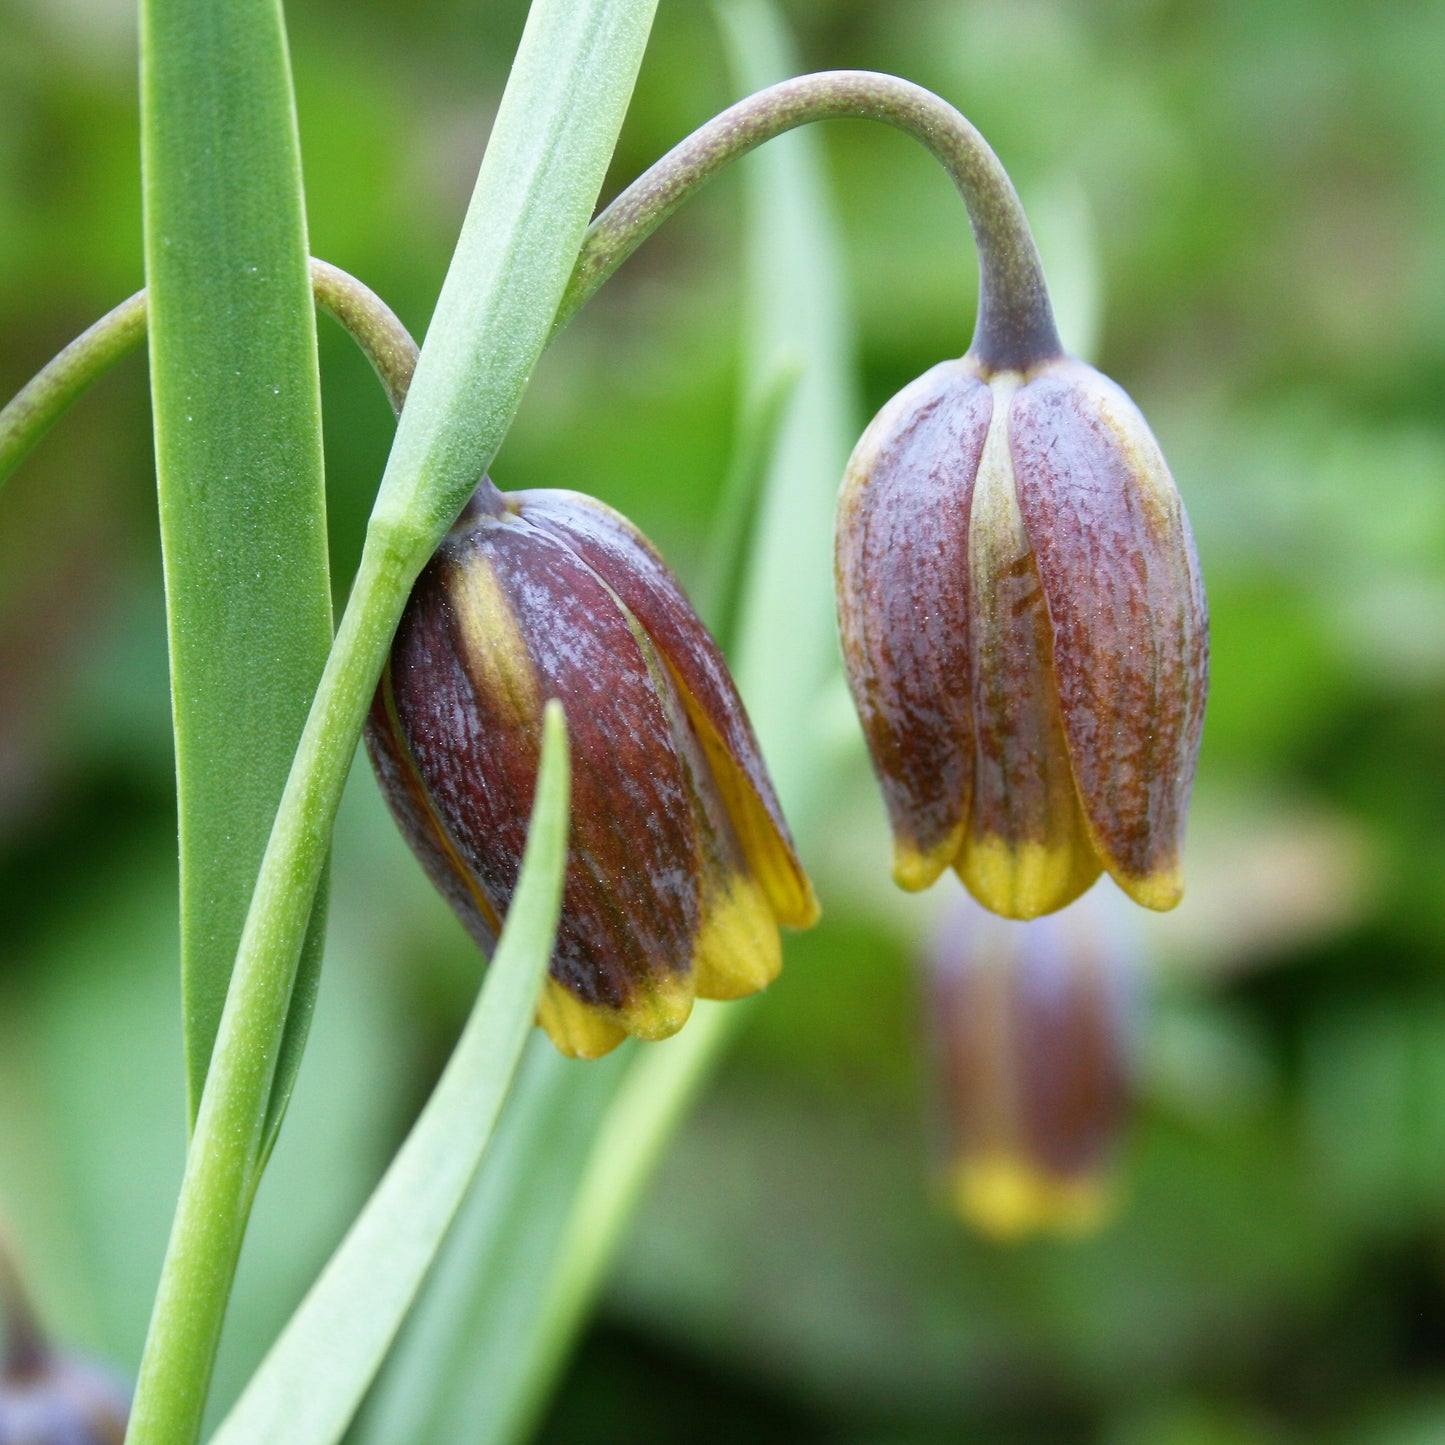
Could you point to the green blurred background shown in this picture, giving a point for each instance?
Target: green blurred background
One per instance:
(1242, 207)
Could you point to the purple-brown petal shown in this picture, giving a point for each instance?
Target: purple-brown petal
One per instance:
(504, 618)
(628, 563)
(1126, 602)
(1027, 849)
(406, 796)
(1034, 1028)
(902, 580)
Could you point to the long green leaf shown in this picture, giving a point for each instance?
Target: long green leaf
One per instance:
(238, 459)
(544, 166)
(438, 1386)
(474, 1366)
(787, 642)
(553, 138)
(310, 1383)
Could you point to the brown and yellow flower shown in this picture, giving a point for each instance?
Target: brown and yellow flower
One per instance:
(1025, 634)
(680, 867)
(1034, 1030)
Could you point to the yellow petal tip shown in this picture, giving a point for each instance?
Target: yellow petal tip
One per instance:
(913, 871)
(1160, 890)
(805, 910)
(658, 1008)
(1008, 1199)
(578, 1030)
(1025, 880)
(738, 949)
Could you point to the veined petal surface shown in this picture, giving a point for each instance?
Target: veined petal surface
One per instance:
(504, 617)
(1027, 850)
(902, 577)
(629, 564)
(1126, 601)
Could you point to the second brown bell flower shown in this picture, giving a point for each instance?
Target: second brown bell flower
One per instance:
(680, 868)
(1025, 634)
(1035, 1033)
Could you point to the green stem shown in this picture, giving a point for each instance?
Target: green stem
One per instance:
(222, 1166)
(39, 404)
(222, 1169)
(422, 491)
(1015, 326)
(371, 323)
(554, 135)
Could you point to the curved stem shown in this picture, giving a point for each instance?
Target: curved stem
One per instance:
(223, 1162)
(1015, 326)
(219, 1176)
(372, 325)
(40, 403)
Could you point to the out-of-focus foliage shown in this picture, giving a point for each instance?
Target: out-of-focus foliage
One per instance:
(1243, 210)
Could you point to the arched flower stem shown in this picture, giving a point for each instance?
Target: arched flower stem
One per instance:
(1015, 326)
(41, 402)
(38, 405)
(1014, 330)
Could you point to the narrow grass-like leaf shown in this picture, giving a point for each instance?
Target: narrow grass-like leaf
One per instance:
(549, 150)
(309, 1385)
(544, 165)
(755, 440)
(437, 1385)
(474, 1369)
(787, 643)
(238, 458)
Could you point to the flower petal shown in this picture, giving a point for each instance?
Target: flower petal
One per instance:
(578, 1030)
(629, 564)
(1130, 628)
(1027, 850)
(416, 816)
(902, 579)
(1007, 1197)
(737, 950)
(1034, 1027)
(504, 616)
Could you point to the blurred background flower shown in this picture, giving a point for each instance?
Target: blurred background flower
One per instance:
(1032, 1032)
(1242, 211)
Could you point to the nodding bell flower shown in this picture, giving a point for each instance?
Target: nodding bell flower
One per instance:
(46, 1397)
(1033, 1031)
(1022, 616)
(1025, 634)
(680, 867)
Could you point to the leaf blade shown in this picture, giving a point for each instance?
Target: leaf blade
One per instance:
(311, 1382)
(544, 1266)
(237, 408)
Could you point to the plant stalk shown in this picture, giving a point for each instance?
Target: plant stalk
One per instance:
(544, 165)
(41, 402)
(1014, 330)
(1015, 326)
(223, 1163)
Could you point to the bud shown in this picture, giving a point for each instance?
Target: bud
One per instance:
(1032, 1027)
(1025, 634)
(47, 1398)
(680, 866)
